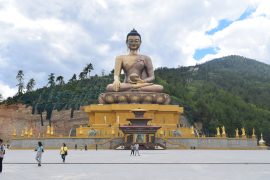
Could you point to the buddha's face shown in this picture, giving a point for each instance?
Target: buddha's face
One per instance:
(133, 42)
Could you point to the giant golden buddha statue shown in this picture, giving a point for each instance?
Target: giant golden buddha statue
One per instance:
(138, 86)
(138, 69)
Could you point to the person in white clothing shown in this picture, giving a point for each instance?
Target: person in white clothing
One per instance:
(137, 149)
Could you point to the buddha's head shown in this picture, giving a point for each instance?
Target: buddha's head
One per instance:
(133, 40)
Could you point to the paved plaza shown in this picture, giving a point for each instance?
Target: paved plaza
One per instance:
(156, 165)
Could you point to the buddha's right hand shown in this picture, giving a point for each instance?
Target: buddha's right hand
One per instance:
(116, 85)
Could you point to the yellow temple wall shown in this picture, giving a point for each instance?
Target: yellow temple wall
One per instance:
(106, 119)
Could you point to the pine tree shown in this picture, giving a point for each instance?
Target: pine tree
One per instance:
(73, 78)
(60, 80)
(88, 68)
(30, 85)
(20, 84)
(51, 80)
(82, 75)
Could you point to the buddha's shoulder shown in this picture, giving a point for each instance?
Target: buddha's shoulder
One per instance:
(120, 56)
(145, 57)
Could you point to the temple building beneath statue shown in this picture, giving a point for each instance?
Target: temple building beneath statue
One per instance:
(106, 120)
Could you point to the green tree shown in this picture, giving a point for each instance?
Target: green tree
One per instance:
(82, 75)
(73, 79)
(30, 85)
(88, 68)
(60, 80)
(20, 84)
(51, 80)
(1, 98)
(103, 72)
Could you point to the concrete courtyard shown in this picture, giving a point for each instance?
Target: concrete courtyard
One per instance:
(156, 165)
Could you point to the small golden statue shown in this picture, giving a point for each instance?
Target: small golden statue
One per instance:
(14, 132)
(48, 130)
(218, 131)
(80, 130)
(253, 134)
(261, 141)
(243, 132)
(192, 130)
(31, 132)
(52, 130)
(26, 131)
(203, 136)
(223, 131)
(236, 133)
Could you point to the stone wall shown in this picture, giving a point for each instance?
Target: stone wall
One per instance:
(209, 143)
(108, 143)
(19, 116)
(55, 143)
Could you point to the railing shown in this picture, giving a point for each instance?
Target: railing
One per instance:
(97, 145)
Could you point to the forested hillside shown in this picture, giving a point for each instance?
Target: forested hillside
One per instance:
(232, 91)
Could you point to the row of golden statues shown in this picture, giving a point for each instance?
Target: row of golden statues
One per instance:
(243, 135)
(220, 132)
(28, 132)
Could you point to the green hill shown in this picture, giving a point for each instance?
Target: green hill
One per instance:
(232, 91)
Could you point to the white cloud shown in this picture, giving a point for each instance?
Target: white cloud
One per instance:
(115, 37)
(249, 38)
(61, 36)
(7, 91)
(103, 49)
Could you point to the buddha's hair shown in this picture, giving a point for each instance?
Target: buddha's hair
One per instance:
(133, 32)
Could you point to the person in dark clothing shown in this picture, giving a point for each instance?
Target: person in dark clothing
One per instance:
(132, 148)
(2, 153)
(39, 149)
(85, 147)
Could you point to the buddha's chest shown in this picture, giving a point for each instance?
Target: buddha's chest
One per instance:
(133, 62)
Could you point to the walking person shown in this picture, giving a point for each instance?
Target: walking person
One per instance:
(137, 149)
(39, 150)
(132, 149)
(2, 153)
(63, 152)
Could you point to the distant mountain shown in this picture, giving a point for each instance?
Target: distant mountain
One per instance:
(233, 91)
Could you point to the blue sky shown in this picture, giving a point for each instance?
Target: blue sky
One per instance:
(222, 24)
(61, 37)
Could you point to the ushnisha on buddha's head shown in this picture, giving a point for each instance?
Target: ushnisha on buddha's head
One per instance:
(133, 40)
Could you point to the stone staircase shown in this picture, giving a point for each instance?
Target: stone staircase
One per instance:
(143, 146)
